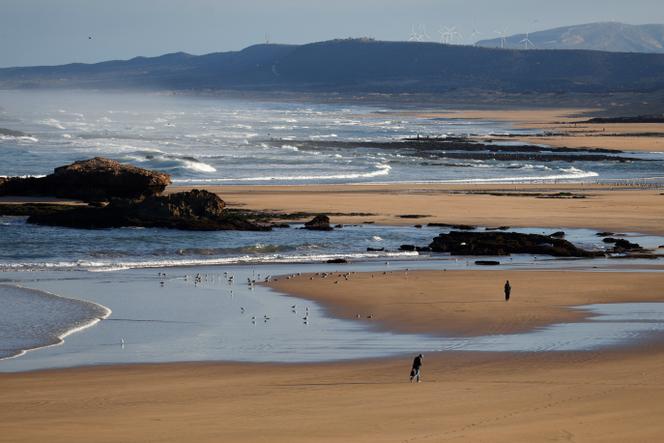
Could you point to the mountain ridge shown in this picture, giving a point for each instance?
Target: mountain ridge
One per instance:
(359, 65)
(600, 36)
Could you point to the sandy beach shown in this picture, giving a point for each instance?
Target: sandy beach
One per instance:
(470, 302)
(566, 128)
(579, 396)
(602, 208)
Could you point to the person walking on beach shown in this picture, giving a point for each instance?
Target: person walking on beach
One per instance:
(508, 290)
(415, 371)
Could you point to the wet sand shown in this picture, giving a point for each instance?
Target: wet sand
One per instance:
(501, 397)
(470, 302)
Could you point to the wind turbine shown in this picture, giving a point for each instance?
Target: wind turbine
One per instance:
(424, 36)
(474, 35)
(414, 36)
(445, 35)
(503, 37)
(527, 43)
(454, 34)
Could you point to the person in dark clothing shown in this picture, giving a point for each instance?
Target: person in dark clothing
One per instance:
(415, 371)
(508, 290)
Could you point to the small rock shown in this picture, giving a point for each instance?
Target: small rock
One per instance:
(319, 223)
(487, 263)
(337, 261)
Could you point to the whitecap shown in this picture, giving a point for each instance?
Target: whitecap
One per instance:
(52, 122)
(109, 266)
(381, 170)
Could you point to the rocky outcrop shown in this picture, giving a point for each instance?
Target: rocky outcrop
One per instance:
(192, 210)
(620, 245)
(506, 243)
(337, 261)
(319, 223)
(446, 225)
(487, 263)
(97, 179)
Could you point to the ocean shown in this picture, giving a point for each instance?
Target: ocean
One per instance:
(204, 140)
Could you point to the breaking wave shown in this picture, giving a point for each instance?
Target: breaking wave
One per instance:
(155, 159)
(381, 170)
(108, 266)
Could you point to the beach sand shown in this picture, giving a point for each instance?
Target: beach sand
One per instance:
(470, 302)
(567, 128)
(603, 208)
(579, 396)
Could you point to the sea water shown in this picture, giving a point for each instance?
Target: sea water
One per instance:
(201, 140)
(27, 247)
(173, 318)
(34, 319)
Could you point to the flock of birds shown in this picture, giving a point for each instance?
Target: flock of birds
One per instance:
(199, 279)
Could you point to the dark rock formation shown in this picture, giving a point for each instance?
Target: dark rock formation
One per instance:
(621, 245)
(656, 118)
(12, 133)
(97, 179)
(604, 234)
(487, 263)
(319, 223)
(192, 210)
(375, 249)
(337, 261)
(505, 243)
(446, 225)
(558, 234)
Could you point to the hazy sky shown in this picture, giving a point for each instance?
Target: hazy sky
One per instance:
(36, 32)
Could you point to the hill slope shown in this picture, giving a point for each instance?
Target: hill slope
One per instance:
(613, 37)
(360, 66)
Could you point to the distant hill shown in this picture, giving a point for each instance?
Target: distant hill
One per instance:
(613, 37)
(360, 65)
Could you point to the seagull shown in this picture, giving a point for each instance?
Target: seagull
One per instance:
(122, 342)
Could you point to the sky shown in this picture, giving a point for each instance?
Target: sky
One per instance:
(48, 32)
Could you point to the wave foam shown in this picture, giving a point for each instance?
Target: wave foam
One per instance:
(99, 266)
(381, 170)
(156, 159)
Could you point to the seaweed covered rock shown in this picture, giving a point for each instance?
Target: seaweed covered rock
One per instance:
(96, 179)
(506, 243)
